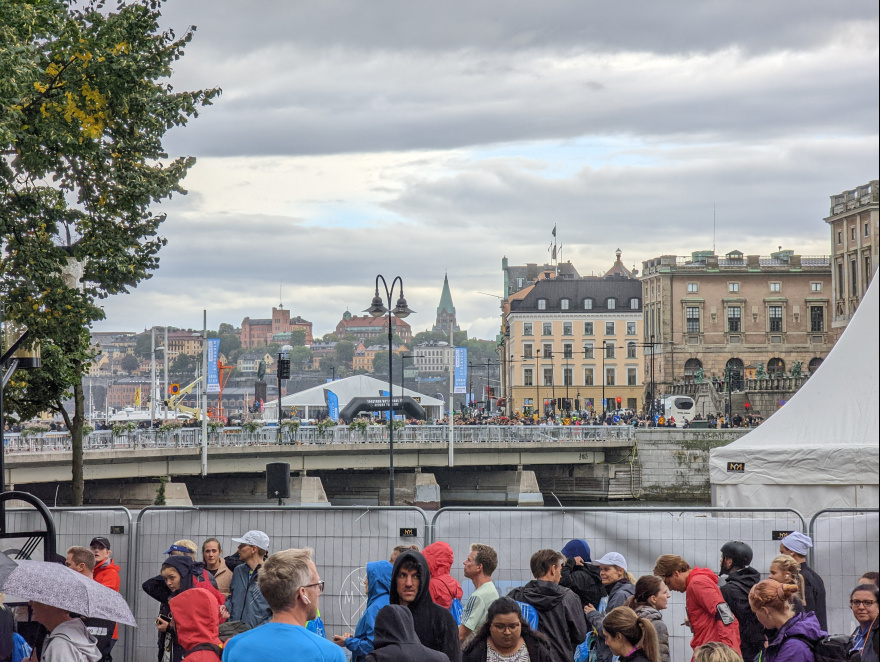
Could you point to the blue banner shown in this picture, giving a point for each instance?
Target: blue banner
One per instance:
(333, 405)
(213, 371)
(460, 385)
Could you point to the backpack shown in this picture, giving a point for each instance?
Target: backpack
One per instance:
(588, 651)
(456, 609)
(204, 647)
(529, 613)
(833, 648)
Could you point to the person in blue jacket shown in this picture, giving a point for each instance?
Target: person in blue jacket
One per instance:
(378, 586)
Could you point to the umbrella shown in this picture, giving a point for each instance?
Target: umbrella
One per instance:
(7, 565)
(58, 586)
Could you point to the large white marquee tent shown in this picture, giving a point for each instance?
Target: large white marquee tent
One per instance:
(312, 400)
(821, 449)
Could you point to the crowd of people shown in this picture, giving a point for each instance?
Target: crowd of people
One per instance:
(253, 606)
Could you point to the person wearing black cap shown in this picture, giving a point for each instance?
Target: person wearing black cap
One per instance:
(106, 572)
(736, 558)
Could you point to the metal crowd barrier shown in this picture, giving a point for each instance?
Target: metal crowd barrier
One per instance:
(845, 546)
(640, 534)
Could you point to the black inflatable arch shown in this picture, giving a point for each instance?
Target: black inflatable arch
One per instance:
(406, 404)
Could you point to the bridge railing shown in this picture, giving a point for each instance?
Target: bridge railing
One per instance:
(308, 435)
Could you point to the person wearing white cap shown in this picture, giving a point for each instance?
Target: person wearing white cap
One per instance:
(245, 602)
(618, 582)
(796, 545)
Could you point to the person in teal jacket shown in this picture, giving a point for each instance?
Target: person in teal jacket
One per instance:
(378, 586)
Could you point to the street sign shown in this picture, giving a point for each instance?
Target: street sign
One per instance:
(661, 421)
(410, 373)
(174, 389)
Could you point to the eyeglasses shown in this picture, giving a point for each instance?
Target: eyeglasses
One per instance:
(862, 603)
(320, 586)
(501, 627)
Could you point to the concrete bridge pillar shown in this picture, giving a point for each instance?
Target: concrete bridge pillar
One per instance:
(374, 489)
(490, 488)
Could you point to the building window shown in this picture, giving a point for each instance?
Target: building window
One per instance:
(634, 304)
(853, 281)
(852, 233)
(609, 351)
(568, 377)
(527, 328)
(814, 364)
(867, 269)
(734, 319)
(548, 376)
(776, 368)
(609, 376)
(527, 350)
(548, 351)
(631, 350)
(609, 328)
(839, 237)
(817, 319)
(840, 289)
(611, 304)
(542, 304)
(630, 328)
(775, 287)
(733, 287)
(528, 377)
(866, 229)
(693, 319)
(588, 304)
(588, 350)
(563, 304)
(588, 376)
(547, 329)
(692, 288)
(567, 351)
(588, 328)
(566, 329)
(632, 376)
(775, 319)
(815, 287)
(519, 283)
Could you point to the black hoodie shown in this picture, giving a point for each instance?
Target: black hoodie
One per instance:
(395, 640)
(434, 625)
(560, 615)
(736, 595)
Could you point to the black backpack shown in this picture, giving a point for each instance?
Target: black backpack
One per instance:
(833, 648)
(204, 647)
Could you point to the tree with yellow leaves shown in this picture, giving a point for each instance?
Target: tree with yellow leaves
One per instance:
(84, 106)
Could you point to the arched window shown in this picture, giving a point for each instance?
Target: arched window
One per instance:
(690, 368)
(776, 368)
(736, 372)
(814, 364)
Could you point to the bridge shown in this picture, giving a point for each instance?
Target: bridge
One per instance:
(492, 464)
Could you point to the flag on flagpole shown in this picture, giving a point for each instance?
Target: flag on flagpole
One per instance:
(137, 397)
(554, 252)
(554, 230)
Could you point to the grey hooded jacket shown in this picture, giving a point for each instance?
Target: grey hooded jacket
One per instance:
(71, 642)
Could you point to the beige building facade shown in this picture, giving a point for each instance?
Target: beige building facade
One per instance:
(853, 220)
(708, 312)
(567, 343)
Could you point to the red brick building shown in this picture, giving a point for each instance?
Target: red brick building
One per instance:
(259, 332)
(368, 327)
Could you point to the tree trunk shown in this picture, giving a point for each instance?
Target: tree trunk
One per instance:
(75, 425)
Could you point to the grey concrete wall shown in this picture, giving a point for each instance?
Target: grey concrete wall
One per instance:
(675, 463)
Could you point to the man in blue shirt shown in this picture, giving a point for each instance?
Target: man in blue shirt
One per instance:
(291, 585)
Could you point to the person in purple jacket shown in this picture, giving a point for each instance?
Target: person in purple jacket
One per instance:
(790, 635)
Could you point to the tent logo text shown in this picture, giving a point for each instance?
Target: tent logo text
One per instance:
(736, 467)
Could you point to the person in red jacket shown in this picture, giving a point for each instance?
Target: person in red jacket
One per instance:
(709, 616)
(198, 621)
(443, 588)
(107, 573)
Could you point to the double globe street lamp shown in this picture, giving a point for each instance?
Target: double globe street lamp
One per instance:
(378, 309)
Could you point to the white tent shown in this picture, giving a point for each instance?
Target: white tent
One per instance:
(821, 449)
(312, 400)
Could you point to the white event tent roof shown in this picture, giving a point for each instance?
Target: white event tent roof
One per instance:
(821, 449)
(312, 400)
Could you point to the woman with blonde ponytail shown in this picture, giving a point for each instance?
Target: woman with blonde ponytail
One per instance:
(629, 637)
(786, 570)
(772, 603)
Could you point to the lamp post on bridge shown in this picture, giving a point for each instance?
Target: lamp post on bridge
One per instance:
(378, 309)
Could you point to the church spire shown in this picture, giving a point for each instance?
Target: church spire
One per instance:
(445, 321)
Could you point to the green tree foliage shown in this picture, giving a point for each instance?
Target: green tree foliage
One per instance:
(143, 346)
(330, 337)
(225, 328)
(84, 106)
(183, 364)
(344, 352)
(297, 337)
(229, 344)
(300, 359)
(129, 363)
(328, 363)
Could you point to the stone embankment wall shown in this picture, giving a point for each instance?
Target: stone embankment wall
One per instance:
(675, 463)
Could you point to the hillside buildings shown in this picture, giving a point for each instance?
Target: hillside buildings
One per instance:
(260, 332)
(368, 328)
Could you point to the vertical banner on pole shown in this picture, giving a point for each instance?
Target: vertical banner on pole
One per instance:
(460, 370)
(332, 405)
(213, 373)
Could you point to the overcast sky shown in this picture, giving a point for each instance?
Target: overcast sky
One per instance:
(406, 138)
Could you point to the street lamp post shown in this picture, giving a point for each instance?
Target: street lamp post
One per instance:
(403, 358)
(378, 309)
